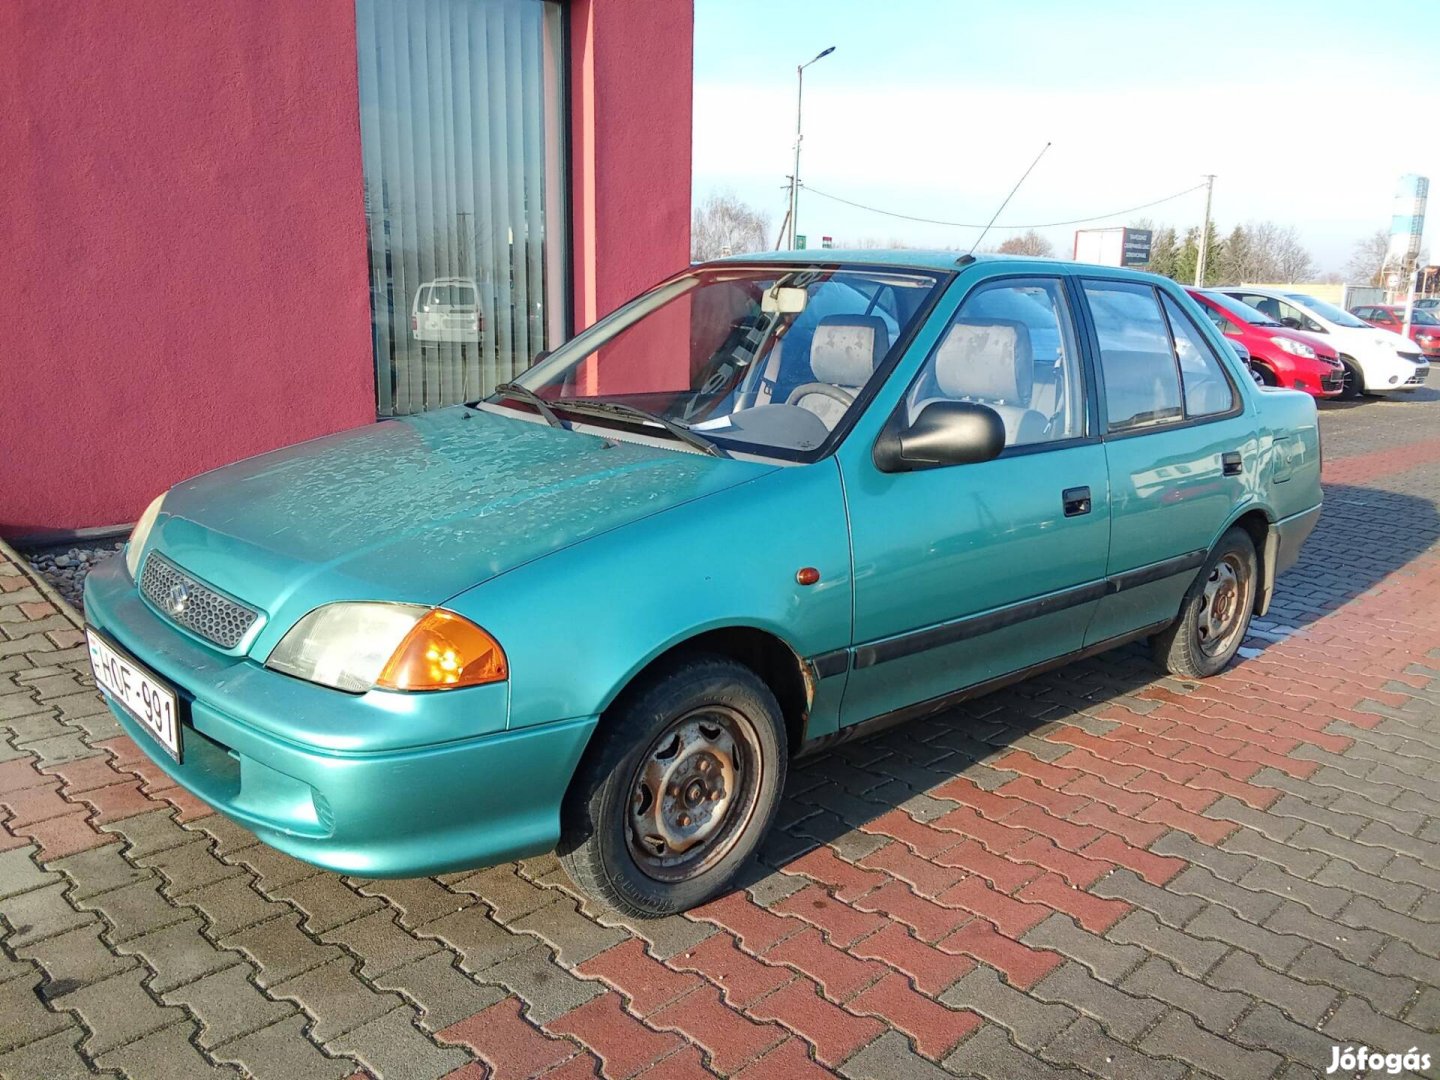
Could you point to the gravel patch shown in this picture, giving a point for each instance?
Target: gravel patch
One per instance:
(66, 567)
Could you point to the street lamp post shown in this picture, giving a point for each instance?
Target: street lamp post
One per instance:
(795, 176)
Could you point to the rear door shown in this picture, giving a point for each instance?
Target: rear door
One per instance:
(1180, 447)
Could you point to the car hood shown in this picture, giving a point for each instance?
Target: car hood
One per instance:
(418, 509)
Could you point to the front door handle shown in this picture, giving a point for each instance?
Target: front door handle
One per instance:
(1230, 463)
(1077, 501)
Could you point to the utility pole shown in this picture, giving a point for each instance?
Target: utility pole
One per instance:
(1204, 232)
(795, 176)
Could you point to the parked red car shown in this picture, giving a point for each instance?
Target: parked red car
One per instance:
(1424, 323)
(1279, 356)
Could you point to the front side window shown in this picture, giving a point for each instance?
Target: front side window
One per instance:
(768, 360)
(1011, 346)
(1142, 382)
(1208, 390)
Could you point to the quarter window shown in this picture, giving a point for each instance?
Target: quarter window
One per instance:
(1142, 383)
(1011, 346)
(1208, 390)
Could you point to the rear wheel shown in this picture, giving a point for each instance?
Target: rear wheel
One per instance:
(680, 782)
(1215, 613)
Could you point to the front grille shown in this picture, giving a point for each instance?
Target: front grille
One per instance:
(194, 605)
(1418, 379)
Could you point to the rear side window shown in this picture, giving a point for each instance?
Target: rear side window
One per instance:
(1208, 390)
(1142, 384)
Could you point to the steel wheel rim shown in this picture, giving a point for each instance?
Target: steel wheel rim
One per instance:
(1223, 604)
(693, 793)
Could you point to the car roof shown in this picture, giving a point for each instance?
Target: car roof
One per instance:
(922, 259)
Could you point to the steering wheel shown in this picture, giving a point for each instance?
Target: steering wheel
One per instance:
(839, 393)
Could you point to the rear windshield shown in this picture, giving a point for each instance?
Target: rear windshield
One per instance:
(450, 296)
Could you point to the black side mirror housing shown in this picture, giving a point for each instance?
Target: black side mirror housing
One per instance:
(945, 433)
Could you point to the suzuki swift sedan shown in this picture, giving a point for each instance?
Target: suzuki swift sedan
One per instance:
(773, 503)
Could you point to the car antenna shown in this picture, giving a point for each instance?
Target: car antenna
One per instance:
(967, 257)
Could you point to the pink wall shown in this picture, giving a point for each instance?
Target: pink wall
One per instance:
(632, 78)
(182, 242)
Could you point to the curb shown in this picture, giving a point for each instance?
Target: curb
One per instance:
(47, 590)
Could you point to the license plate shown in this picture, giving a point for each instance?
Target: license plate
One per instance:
(152, 703)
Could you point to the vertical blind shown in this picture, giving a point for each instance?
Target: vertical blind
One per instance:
(461, 127)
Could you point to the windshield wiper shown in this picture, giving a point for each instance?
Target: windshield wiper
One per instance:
(634, 412)
(525, 394)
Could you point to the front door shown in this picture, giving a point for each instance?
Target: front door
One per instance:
(971, 572)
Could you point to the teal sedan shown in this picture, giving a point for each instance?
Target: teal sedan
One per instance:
(773, 503)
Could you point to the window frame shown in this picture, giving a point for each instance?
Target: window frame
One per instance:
(1184, 420)
(1216, 353)
(1065, 287)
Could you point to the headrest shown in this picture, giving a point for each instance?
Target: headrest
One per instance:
(987, 360)
(846, 349)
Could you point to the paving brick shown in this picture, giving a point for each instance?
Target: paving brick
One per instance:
(547, 989)
(1085, 1044)
(791, 1060)
(623, 1044)
(392, 1046)
(1094, 913)
(477, 938)
(1123, 1015)
(441, 991)
(189, 866)
(118, 1011)
(1031, 1023)
(1105, 959)
(757, 928)
(74, 959)
(1266, 1028)
(842, 924)
(1388, 993)
(19, 872)
(278, 949)
(1221, 924)
(100, 870)
(889, 1058)
(739, 976)
(55, 1057)
(40, 913)
(26, 1019)
(167, 1054)
(1395, 895)
(227, 1005)
(1249, 904)
(841, 974)
(1354, 1021)
(149, 833)
(281, 1050)
(935, 1028)
(1177, 1035)
(418, 900)
(561, 926)
(834, 1033)
(1155, 978)
(1322, 900)
(1304, 1002)
(379, 942)
(1192, 955)
(645, 981)
(336, 998)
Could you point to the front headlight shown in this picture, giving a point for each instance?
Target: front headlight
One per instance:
(1295, 348)
(356, 646)
(140, 535)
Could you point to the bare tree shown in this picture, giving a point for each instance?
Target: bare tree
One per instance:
(1292, 259)
(1029, 242)
(723, 225)
(1367, 259)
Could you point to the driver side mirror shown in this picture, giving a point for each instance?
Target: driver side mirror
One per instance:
(945, 433)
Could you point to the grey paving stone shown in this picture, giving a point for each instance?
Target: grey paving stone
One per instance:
(1240, 971)
(55, 1057)
(1365, 913)
(229, 836)
(989, 1053)
(74, 959)
(166, 1055)
(133, 910)
(336, 998)
(508, 895)
(324, 901)
(418, 900)
(1192, 955)
(227, 1005)
(273, 869)
(26, 1019)
(179, 954)
(1031, 1023)
(1086, 1045)
(1123, 1016)
(549, 991)
(1395, 895)
(1356, 945)
(1354, 1021)
(393, 1047)
(477, 938)
(283, 1052)
(149, 833)
(1215, 1009)
(891, 1057)
(231, 905)
(1364, 856)
(99, 870)
(41, 913)
(1399, 958)
(379, 942)
(1267, 1028)
(1105, 959)
(1223, 864)
(443, 993)
(1169, 904)
(189, 866)
(118, 1011)
(1222, 924)
(1388, 993)
(279, 949)
(574, 938)
(1424, 1012)
(1177, 1035)
(1321, 899)
(20, 873)
(1293, 860)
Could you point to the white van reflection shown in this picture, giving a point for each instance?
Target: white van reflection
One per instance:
(446, 309)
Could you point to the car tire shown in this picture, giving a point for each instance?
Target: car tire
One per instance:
(1354, 388)
(681, 780)
(1264, 376)
(1215, 614)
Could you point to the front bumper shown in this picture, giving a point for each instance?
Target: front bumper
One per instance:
(398, 812)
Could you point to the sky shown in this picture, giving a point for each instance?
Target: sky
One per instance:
(934, 108)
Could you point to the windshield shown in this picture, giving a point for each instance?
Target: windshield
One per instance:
(1241, 311)
(1420, 317)
(1338, 316)
(766, 360)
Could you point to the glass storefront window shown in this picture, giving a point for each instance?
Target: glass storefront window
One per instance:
(462, 112)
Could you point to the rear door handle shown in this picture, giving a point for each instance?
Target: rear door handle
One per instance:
(1230, 463)
(1077, 501)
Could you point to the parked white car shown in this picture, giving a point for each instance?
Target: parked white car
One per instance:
(446, 309)
(1376, 361)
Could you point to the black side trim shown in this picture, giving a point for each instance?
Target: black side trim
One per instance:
(934, 637)
(831, 663)
(1145, 575)
(955, 697)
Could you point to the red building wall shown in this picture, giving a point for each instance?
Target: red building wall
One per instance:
(182, 242)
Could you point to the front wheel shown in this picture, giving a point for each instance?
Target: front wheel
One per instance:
(1215, 613)
(680, 782)
(1354, 387)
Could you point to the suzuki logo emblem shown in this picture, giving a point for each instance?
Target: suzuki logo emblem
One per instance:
(179, 598)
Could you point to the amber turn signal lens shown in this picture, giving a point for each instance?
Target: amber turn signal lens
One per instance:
(444, 651)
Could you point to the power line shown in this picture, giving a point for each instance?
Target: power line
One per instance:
(971, 225)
